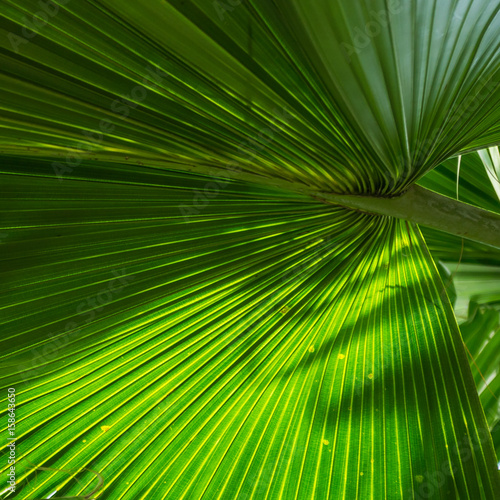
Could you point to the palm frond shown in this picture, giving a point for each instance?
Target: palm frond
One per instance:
(177, 322)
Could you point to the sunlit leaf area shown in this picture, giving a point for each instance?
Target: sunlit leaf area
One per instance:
(185, 314)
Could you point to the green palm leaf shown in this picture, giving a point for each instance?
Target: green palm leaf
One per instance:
(367, 122)
(179, 320)
(468, 180)
(221, 375)
(474, 273)
(481, 335)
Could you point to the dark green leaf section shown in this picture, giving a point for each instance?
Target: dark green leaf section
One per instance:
(265, 347)
(347, 97)
(481, 334)
(470, 181)
(474, 274)
(467, 178)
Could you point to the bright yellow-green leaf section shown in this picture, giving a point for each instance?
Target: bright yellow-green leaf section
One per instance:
(267, 347)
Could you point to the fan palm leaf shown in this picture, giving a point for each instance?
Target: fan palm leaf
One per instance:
(181, 318)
